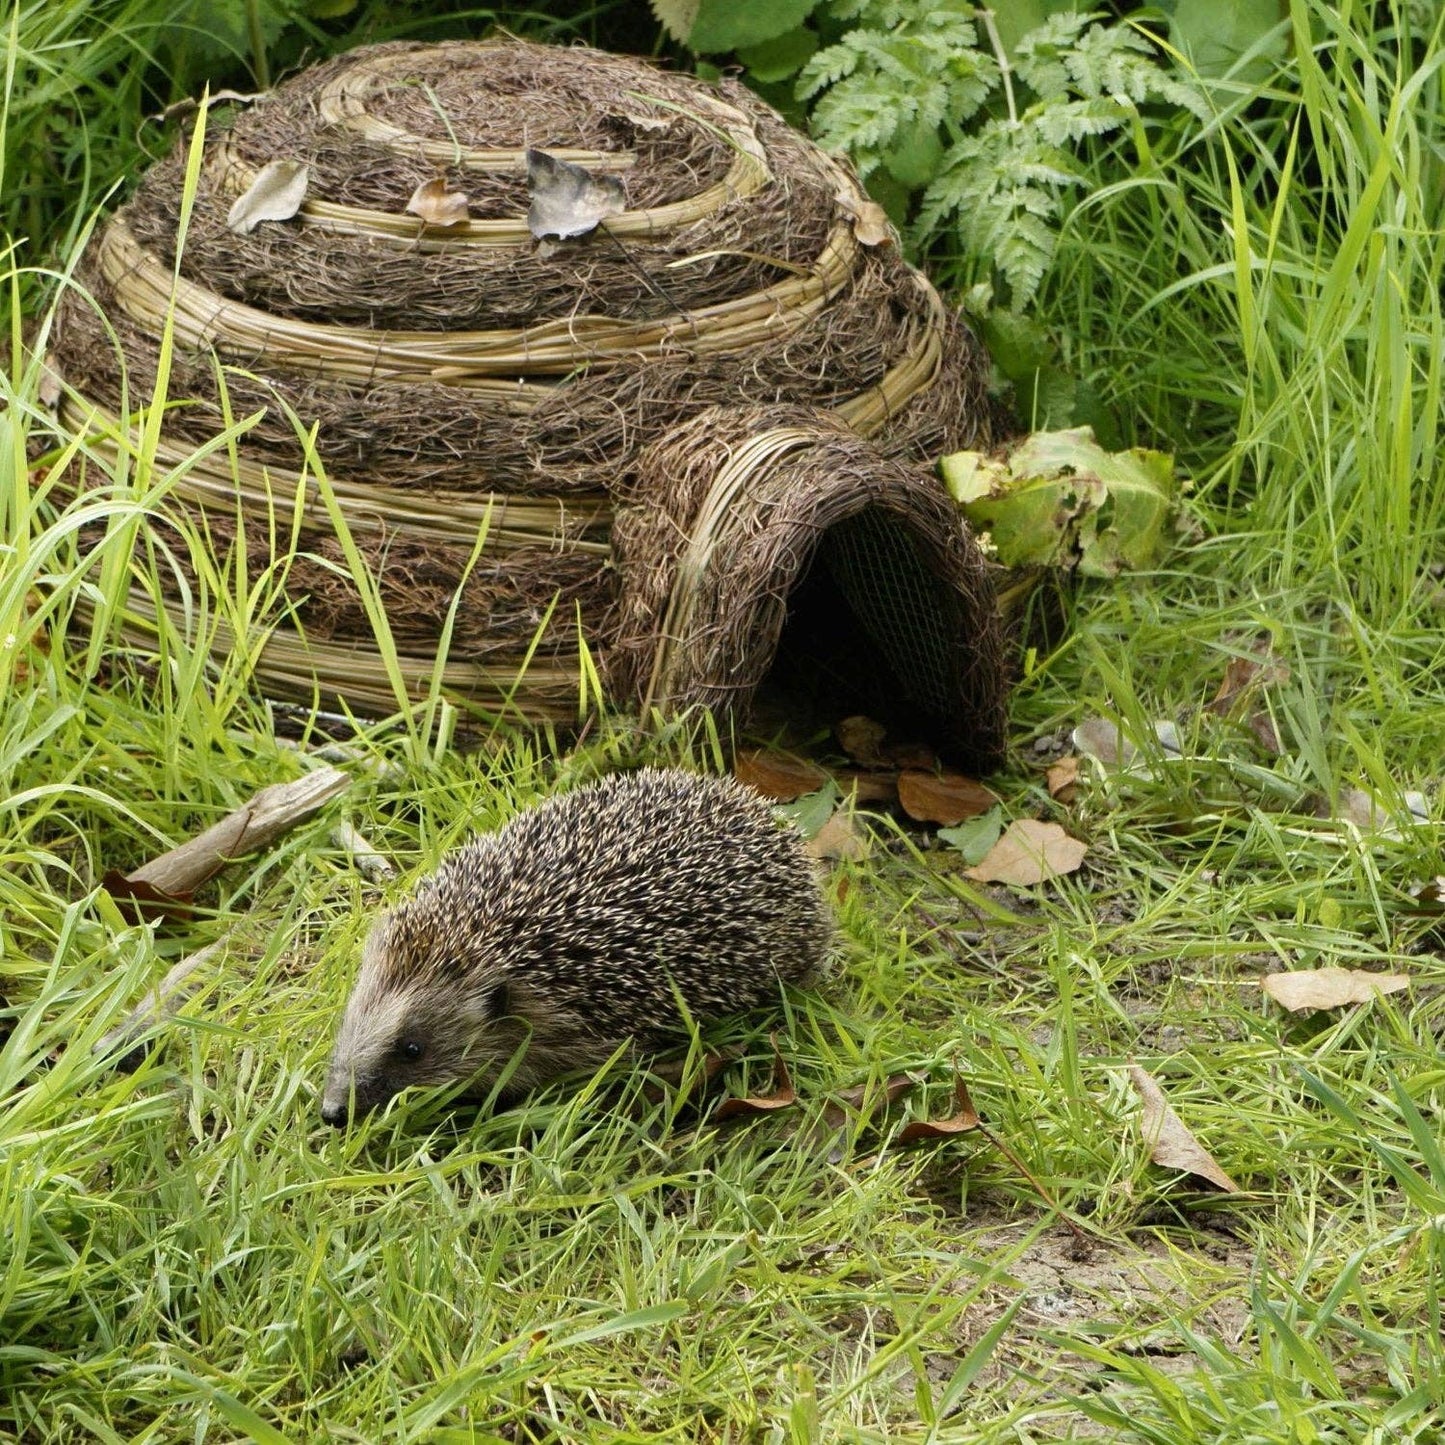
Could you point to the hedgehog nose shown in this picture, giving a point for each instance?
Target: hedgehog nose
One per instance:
(335, 1112)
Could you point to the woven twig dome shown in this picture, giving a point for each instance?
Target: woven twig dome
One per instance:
(466, 378)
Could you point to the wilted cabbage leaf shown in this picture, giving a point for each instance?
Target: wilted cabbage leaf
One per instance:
(1059, 499)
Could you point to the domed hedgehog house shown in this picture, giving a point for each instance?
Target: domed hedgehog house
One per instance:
(692, 441)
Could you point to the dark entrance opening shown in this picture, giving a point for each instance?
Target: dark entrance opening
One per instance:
(871, 628)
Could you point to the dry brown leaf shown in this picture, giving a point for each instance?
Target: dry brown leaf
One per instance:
(167, 882)
(276, 194)
(1370, 815)
(862, 739)
(778, 776)
(144, 901)
(1314, 988)
(965, 1120)
(1063, 779)
(850, 1101)
(948, 798)
(1262, 726)
(437, 206)
(868, 787)
(838, 838)
(916, 757)
(829, 1134)
(671, 1071)
(782, 1096)
(1243, 675)
(1171, 1145)
(1029, 852)
(568, 200)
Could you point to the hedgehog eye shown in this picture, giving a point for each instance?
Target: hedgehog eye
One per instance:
(410, 1050)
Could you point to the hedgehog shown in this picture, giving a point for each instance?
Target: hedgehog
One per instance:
(600, 916)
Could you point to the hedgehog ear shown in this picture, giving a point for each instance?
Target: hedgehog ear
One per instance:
(499, 1001)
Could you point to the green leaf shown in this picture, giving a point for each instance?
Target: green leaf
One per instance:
(914, 159)
(737, 24)
(975, 837)
(780, 57)
(1017, 18)
(808, 813)
(1018, 344)
(1058, 499)
(892, 195)
(1215, 33)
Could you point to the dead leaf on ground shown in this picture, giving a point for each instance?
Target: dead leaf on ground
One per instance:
(782, 1097)
(276, 194)
(1244, 675)
(671, 1072)
(144, 900)
(1265, 733)
(568, 200)
(170, 880)
(963, 1121)
(851, 1101)
(1098, 738)
(838, 838)
(868, 787)
(437, 206)
(778, 776)
(1171, 1145)
(1029, 852)
(948, 798)
(1063, 779)
(862, 739)
(1314, 988)
(1370, 815)
(840, 1109)
(50, 387)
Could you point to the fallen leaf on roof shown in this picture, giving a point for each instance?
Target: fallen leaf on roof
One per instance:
(276, 194)
(437, 206)
(568, 200)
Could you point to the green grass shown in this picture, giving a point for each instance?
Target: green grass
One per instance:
(186, 1253)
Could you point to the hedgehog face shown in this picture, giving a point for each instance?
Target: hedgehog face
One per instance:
(416, 1028)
